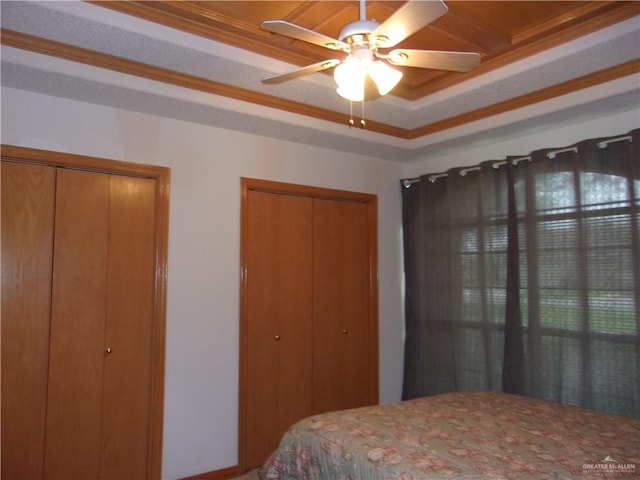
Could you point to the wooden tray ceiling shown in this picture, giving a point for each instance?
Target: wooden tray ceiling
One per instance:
(501, 31)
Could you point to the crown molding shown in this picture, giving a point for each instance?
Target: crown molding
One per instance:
(89, 57)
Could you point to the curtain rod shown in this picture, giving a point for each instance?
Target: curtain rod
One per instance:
(514, 162)
(605, 143)
(562, 150)
(407, 182)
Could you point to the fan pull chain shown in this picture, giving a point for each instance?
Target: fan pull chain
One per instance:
(351, 122)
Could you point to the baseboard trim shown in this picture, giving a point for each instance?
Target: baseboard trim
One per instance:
(224, 474)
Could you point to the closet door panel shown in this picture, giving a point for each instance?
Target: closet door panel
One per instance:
(130, 293)
(78, 316)
(342, 369)
(27, 237)
(278, 319)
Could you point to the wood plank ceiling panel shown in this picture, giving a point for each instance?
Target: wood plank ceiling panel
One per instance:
(501, 31)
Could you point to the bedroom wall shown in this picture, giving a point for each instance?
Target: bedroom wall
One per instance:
(554, 135)
(201, 390)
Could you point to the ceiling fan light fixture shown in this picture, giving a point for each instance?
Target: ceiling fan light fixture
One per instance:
(385, 77)
(361, 41)
(353, 92)
(350, 76)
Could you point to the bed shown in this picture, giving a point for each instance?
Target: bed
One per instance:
(462, 436)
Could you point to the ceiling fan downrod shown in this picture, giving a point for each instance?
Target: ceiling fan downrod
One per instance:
(363, 9)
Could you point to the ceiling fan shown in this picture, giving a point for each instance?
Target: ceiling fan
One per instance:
(364, 41)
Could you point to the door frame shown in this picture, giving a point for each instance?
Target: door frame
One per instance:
(162, 177)
(248, 184)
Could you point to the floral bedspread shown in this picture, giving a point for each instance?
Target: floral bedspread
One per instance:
(462, 436)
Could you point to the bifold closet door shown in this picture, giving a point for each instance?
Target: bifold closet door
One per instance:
(277, 329)
(101, 320)
(27, 250)
(344, 360)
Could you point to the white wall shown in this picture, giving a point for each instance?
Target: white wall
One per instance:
(525, 142)
(201, 390)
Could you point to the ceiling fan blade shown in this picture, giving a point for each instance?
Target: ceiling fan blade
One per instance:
(437, 60)
(300, 72)
(300, 33)
(408, 19)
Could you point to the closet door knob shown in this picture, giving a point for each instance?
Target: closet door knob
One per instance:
(108, 350)
(345, 331)
(277, 337)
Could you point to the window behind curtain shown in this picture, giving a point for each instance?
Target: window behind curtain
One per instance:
(577, 235)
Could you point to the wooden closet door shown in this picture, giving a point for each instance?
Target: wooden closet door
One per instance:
(78, 320)
(98, 412)
(344, 338)
(127, 391)
(276, 332)
(27, 248)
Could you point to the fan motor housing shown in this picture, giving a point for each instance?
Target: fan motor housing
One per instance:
(359, 27)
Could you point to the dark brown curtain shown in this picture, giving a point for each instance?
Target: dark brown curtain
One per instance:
(523, 275)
